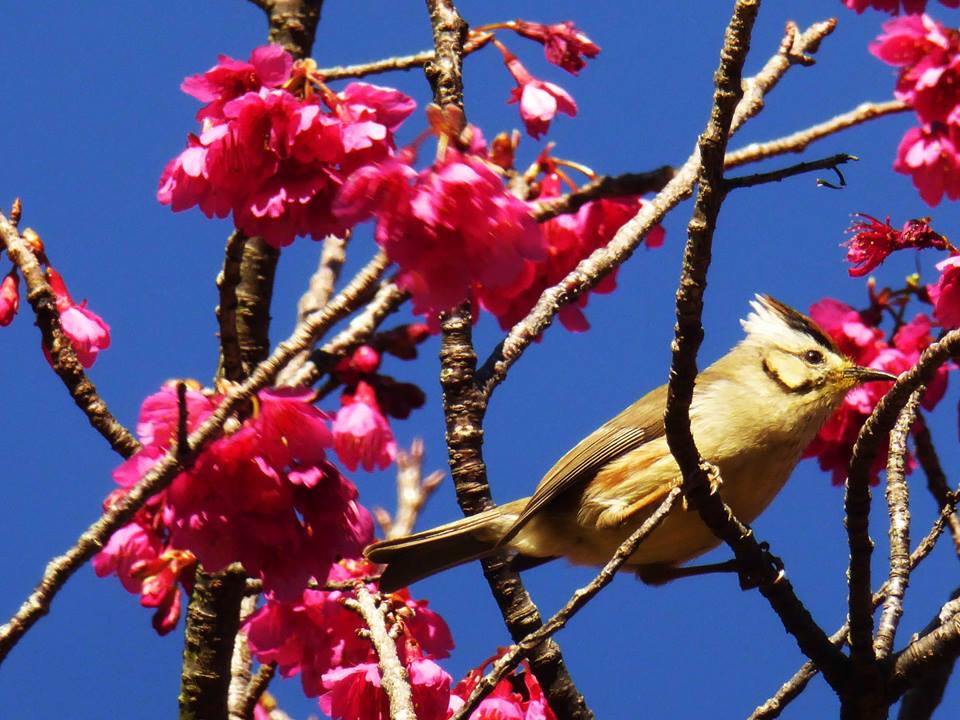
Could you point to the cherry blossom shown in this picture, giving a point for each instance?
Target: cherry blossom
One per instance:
(316, 635)
(874, 240)
(361, 434)
(9, 298)
(911, 7)
(540, 101)
(87, 331)
(563, 43)
(945, 293)
(264, 495)
(509, 700)
(865, 344)
(275, 145)
(451, 228)
(930, 155)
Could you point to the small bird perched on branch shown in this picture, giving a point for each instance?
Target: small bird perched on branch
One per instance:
(753, 412)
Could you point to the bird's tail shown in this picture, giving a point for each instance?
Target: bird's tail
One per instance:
(417, 556)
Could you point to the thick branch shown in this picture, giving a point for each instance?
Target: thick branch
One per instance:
(63, 358)
(212, 623)
(231, 361)
(699, 477)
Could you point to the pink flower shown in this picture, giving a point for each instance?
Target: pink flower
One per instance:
(87, 331)
(275, 145)
(315, 634)
(945, 294)
(563, 43)
(361, 434)
(540, 101)
(931, 156)
(911, 7)
(268, 66)
(509, 700)
(569, 239)
(263, 495)
(9, 298)
(451, 228)
(864, 343)
(874, 240)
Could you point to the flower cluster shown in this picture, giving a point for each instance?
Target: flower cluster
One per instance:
(564, 44)
(929, 57)
(264, 495)
(453, 228)
(516, 697)
(857, 336)
(874, 240)
(569, 239)
(275, 144)
(910, 7)
(316, 637)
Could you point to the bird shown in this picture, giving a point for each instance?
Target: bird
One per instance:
(753, 412)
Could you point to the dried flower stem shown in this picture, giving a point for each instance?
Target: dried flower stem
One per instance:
(509, 660)
(61, 568)
(64, 359)
(413, 491)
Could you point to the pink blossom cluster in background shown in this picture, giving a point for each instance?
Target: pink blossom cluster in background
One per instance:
(929, 81)
(316, 637)
(275, 144)
(859, 337)
(264, 495)
(910, 7)
(515, 697)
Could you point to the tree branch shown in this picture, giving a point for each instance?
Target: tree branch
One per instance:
(61, 568)
(602, 261)
(413, 491)
(63, 357)
(509, 660)
(898, 505)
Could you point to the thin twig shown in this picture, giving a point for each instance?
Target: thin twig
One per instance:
(602, 261)
(604, 186)
(898, 504)
(926, 692)
(797, 142)
(941, 640)
(413, 491)
(258, 686)
(318, 293)
(393, 676)
(796, 684)
(936, 478)
(241, 662)
(63, 357)
(857, 501)
(827, 163)
(407, 62)
(385, 302)
(61, 568)
(509, 660)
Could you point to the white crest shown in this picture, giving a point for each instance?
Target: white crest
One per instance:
(768, 323)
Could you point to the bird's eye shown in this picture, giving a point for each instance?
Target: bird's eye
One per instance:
(814, 357)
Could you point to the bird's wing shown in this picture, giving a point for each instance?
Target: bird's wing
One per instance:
(638, 424)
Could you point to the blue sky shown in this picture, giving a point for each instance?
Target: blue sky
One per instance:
(92, 113)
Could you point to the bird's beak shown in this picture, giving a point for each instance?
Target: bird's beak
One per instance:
(865, 374)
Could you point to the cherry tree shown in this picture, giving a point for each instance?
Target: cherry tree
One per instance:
(237, 512)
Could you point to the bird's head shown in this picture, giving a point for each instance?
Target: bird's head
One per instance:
(799, 356)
